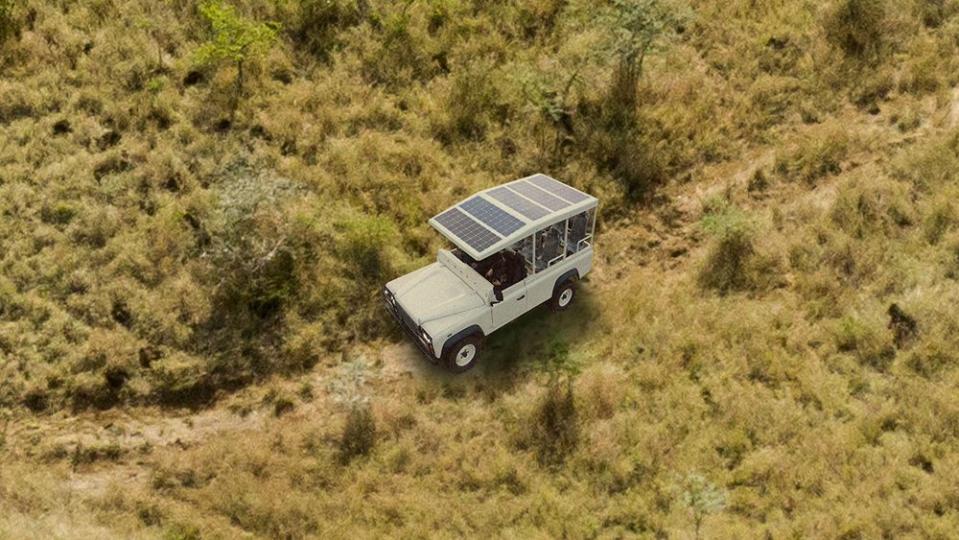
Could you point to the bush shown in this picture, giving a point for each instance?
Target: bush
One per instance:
(856, 27)
(359, 433)
(251, 251)
(730, 262)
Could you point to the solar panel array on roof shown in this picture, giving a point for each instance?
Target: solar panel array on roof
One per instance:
(538, 196)
(494, 217)
(520, 204)
(467, 229)
(558, 188)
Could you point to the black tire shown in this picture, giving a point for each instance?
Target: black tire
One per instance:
(563, 296)
(459, 358)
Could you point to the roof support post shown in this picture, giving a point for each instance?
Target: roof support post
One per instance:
(592, 231)
(535, 269)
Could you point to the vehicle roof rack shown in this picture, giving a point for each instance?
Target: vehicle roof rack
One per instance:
(497, 218)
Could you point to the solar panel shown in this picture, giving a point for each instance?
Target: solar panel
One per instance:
(494, 217)
(558, 188)
(538, 196)
(521, 205)
(467, 229)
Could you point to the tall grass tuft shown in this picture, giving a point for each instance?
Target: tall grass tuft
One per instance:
(856, 27)
(555, 421)
(358, 435)
(9, 23)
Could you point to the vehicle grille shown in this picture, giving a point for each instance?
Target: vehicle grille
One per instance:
(408, 324)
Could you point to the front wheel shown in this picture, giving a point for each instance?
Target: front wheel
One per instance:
(563, 296)
(463, 355)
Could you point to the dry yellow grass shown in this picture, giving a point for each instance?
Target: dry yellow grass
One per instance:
(189, 295)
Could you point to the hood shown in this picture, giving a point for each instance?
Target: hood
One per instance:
(434, 292)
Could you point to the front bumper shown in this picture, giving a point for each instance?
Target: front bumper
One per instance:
(409, 325)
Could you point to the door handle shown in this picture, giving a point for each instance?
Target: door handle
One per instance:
(520, 298)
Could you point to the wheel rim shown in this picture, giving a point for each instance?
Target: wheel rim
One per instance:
(466, 355)
(565, 297)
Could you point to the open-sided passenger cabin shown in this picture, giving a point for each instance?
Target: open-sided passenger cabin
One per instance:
(514, 234)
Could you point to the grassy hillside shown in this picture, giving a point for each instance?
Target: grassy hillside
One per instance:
(199, 203)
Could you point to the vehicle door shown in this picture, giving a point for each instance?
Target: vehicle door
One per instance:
(513, 304)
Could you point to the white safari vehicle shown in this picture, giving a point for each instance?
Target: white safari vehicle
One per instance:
(517, 246)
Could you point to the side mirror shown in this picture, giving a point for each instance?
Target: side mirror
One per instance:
(497, 295)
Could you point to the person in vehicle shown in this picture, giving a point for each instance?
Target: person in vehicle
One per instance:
(503, 269)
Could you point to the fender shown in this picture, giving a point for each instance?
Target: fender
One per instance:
(455, 338)
(570, 275)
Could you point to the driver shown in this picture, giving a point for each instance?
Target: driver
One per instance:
(495, 273)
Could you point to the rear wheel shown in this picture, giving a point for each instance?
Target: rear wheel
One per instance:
(463, 355)
(563, 296)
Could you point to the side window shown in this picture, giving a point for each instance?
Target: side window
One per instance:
(525, 248)
(549, 246)
(580, 231)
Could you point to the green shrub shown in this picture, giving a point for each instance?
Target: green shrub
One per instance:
(633, 29)
(729, 262)
(235, 39)
(359, 433)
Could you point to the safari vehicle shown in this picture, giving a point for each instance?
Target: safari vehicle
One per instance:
(517, 246)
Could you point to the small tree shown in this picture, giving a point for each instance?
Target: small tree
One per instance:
(703, 498)
(634, 29)
(235, 39)
(552, 99)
